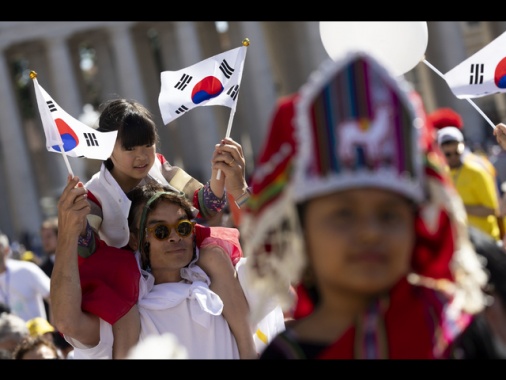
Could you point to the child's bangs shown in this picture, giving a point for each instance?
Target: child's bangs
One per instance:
(137, 131)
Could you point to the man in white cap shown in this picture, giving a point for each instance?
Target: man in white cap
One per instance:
(474, 185)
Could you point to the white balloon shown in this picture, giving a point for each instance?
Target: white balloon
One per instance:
(399, 45)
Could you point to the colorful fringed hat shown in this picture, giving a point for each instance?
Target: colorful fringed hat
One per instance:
(361, 129)
(352, 125)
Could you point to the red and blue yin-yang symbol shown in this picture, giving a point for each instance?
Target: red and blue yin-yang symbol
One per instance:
(500, 74)
(208, 88)
(68, 136)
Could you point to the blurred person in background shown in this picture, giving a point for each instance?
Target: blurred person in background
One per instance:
(35, 348)
(23, 285)
(475, 185)
(12, 331)
(41, 327)
(447, 117)
(48, 238)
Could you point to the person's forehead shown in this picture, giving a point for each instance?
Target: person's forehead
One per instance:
(166, 210)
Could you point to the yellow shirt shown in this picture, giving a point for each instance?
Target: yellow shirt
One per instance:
(477, 187)
(482, 160)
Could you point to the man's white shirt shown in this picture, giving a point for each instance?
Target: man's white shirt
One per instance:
(195, 318)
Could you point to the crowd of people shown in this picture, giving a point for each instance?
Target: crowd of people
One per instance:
(368, 230)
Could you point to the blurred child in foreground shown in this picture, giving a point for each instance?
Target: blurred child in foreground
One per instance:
(350, 203)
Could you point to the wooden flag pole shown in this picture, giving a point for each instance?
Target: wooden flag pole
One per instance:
(245, 42)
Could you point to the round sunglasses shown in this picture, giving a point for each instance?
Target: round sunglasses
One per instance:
(161, 231)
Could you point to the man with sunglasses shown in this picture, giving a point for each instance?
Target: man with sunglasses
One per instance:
(174, 293)
(474, 184)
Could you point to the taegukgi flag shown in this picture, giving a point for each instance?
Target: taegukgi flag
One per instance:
(214, 81)
(77, 139)
(484, 73)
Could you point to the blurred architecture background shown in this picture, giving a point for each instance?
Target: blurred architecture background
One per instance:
(81, 64)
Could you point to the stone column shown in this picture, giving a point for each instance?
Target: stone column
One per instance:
(106, 72)
(18, 185)
(125, 61)
(308, 46)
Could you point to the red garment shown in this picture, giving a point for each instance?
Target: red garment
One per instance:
(225, 237)
(109, 281)
(304, 305)
(110, 276)
(415, 325)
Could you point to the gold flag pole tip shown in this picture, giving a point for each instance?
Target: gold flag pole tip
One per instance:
(245, 42)
(33, 74)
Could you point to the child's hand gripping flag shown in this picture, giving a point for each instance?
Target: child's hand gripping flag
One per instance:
(211, 82)
(61, 129)
(484, 73)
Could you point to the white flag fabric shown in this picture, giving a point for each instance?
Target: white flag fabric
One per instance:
(484, 73)
(214, 81)
(77, 139)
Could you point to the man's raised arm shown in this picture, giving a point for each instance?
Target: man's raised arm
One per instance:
(66, 295)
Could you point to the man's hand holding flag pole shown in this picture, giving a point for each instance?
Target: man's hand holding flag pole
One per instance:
(213, 81)
(67, 135)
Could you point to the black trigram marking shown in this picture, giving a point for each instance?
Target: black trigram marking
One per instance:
(91, 139)
(51, 106)
(233, 92)
(226, 69)
(476, 75)
(181, 110)
(183, 82)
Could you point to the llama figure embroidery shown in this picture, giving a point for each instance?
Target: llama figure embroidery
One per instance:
(371, 135)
